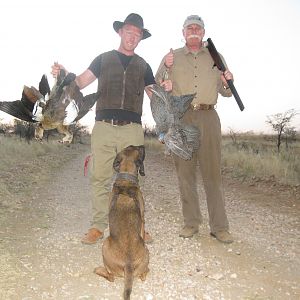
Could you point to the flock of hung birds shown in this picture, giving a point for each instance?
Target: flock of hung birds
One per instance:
(64, 104)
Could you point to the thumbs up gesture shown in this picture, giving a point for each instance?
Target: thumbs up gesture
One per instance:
(169, 59)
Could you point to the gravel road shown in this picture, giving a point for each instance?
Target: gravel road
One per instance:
(42, 256)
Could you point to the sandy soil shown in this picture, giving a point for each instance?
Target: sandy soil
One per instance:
(41, 256)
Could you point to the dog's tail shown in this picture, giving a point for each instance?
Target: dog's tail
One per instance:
(128, 280)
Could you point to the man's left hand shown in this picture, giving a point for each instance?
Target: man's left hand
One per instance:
(227, 75)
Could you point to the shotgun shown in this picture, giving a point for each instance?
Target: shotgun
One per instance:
(220, 65)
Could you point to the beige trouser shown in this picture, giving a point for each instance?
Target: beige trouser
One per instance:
(209, 158)
(106, 141)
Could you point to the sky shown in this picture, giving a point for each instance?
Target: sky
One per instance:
(259, 39)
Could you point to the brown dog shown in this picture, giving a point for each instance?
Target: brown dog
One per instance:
(124, 251)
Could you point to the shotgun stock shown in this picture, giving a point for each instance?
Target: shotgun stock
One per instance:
(220, 65)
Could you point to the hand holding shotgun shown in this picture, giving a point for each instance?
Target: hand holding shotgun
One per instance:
(220, 65)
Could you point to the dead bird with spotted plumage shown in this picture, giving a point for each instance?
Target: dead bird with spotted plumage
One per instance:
(167, 110)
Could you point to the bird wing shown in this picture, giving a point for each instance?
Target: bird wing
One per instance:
(180, 104)
(182, 140)
(175, 142)
(192, 136)
(44, 87)
(86, 105)
(17, 109)
(22, 109)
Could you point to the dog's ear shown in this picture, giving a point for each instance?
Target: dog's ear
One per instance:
(116, 163)
(142, 152)
(141, 160)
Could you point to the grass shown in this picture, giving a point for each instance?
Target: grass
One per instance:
(254, 157)
(23, 165)
(257, 159)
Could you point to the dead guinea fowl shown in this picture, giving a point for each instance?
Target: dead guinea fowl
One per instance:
(180, 138)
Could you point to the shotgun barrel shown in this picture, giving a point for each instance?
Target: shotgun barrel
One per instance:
(220, 65)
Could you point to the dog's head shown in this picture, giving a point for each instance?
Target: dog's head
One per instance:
(130, 160)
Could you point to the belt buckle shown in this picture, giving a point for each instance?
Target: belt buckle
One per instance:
(115, 123)
(202, 106)
(195, 106)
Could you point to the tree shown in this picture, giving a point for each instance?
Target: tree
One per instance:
(233, 135)
(280, 123)
(290, 135)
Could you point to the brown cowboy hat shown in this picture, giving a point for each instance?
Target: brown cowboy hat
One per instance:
(135, 20)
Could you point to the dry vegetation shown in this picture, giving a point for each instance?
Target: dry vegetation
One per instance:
(23, 164)
(42, 256)
(255, 157)
(246, 158)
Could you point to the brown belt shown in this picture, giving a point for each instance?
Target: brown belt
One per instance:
(202, 106)
(116, 122)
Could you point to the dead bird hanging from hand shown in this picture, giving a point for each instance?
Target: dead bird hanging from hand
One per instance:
(56, 109)
(180, 138)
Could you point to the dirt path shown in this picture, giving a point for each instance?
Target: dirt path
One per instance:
(42, 257)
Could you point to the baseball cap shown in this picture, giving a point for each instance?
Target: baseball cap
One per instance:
(193, 19)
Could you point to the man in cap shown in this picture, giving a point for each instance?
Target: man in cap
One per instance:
(191, 70)
(122, 78)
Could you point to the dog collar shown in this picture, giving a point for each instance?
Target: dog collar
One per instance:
(127, 176)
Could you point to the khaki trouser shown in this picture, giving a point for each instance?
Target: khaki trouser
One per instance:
(209, 158)
(106, 141)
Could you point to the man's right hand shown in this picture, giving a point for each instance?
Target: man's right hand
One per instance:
(167, 85)
(169, 59)
(56, 68)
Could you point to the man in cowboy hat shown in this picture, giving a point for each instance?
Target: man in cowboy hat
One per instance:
(122, 78)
